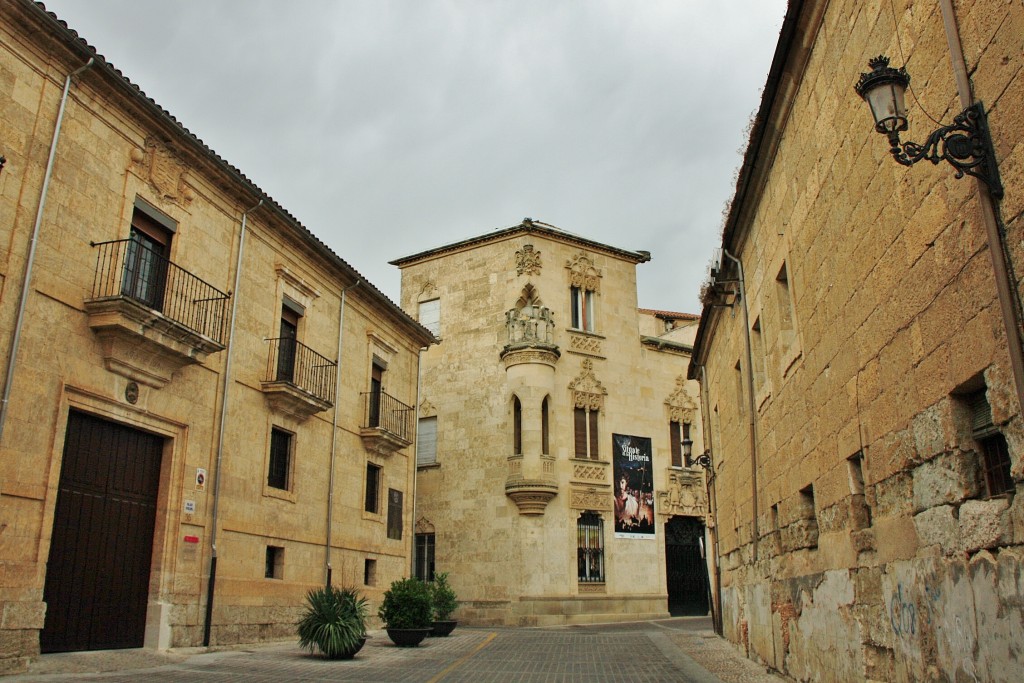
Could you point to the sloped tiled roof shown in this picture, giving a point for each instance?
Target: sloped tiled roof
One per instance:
(77, 43)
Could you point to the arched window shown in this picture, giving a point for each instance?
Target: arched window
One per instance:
(544, 427)
(590, 547)
(517, 426)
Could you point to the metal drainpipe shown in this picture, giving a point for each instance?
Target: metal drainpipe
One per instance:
(30, 262)
(419, 383)
(716, 617)
(1009, 301)
(220, 436)
(750, 394)
(334, 433)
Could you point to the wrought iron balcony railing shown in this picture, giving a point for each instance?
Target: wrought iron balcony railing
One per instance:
(387, 413)
(129, 269)
(293, 362)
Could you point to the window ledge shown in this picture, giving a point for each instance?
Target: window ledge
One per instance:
(373, 517)
(429, 466)
(280, 494)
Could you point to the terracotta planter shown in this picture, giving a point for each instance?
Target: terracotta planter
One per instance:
(407, 637)
(443, 628)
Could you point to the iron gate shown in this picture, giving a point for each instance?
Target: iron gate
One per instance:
(685, 569)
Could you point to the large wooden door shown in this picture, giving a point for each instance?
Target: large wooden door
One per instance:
(97, 576)
(685, 569)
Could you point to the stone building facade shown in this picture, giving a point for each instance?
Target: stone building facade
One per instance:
(864, 420)
(546, 371)
(185, 417)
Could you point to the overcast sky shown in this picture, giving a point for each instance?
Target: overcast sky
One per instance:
(390, 127)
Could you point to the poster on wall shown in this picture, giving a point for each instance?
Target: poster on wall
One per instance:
(634, 486)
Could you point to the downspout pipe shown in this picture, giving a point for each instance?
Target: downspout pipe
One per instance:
(419, 385)
(212, 582)
(26, 282)
(334, 435)
(999, 253)
(750, 394)
(716, 614)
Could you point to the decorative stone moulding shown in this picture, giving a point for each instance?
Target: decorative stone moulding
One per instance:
(530, 354)
(382, 442)
(685, 494)
(531, 496)
(287, 398)
(143, 345)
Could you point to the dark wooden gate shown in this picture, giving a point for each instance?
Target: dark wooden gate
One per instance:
(685, 568)
(97, 576)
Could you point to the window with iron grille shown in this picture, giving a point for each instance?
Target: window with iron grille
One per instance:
(372, 488)
(995, 454)
(425, 557)
(280, 459)
(590, 547)
(394, 514)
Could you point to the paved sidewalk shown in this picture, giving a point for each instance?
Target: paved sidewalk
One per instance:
(683, 649)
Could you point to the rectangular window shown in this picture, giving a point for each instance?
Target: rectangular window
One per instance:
(370, 572)
(590, 548)
(586, 433)
(394, 514)
(757, 353)
(675, 440)
(372, 488)
(376, 391)
(287, 341)
(274, 568)
(430, 316)
(280, 459)
(146, 260)
(425, 557)
(426, 448)
(785, 307)
(582, 306)
(995, 454)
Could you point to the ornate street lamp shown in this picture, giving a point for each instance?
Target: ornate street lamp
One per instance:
(965, 144)
(704, 459)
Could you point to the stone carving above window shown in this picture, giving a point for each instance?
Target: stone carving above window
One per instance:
(424, 526)
(684, 495)
(587, 391)
(585, 344)
(596, 473)
(590, 499)
(166, 173)
(681, 407)
(583, 273)
(527, 261)
(427, 409)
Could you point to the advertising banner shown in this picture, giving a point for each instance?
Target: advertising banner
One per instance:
(634, 486)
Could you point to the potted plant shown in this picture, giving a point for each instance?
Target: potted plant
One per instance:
(444, 604)
(334, 622)
(407, 612)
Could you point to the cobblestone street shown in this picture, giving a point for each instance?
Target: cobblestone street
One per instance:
(683, 649)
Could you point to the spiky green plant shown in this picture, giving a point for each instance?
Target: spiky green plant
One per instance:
(334, 621)
(444, 597)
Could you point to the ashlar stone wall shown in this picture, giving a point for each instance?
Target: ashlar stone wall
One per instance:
(861, 544)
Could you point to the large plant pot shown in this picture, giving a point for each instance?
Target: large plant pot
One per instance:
(351, 652)
(443, 628)
(407, 637)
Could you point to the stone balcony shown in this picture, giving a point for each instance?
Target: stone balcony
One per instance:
(531, 336)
